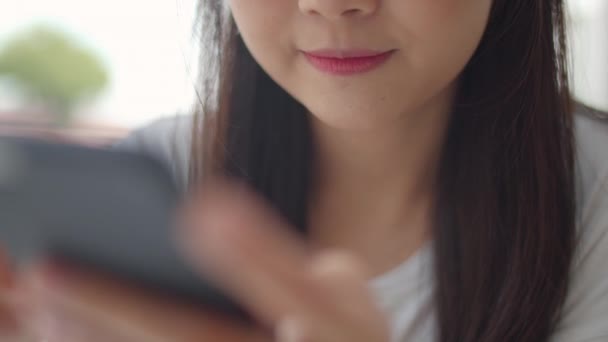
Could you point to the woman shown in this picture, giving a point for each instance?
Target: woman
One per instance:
(417, 174)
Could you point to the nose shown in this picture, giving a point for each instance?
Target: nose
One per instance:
(338, 9)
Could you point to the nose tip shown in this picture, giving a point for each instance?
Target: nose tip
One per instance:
(337, 9)
(352, 12)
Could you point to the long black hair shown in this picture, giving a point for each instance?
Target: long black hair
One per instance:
(505, 215)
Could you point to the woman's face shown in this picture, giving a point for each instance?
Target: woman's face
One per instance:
(402, 55)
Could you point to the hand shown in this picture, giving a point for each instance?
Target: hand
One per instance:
(8, 323)
(69, 304)
(232, 238)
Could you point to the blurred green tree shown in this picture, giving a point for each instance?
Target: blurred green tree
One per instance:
(50, 69)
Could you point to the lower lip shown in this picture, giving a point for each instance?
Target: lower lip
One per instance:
(348, 66)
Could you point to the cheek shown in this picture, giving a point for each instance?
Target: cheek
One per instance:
(266, 27)
(436, 37)
(444, 32)
(439, 38)
(263, 22)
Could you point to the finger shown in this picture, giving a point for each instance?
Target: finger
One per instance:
(345, 277)
(8, 322)
(6, 271)
(247, 249)
(130, 311)
(54, 323)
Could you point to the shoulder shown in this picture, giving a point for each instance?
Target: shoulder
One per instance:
(586, 308)
(591, 137)
(167, 139)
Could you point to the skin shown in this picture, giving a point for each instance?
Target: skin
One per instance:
(378, 135)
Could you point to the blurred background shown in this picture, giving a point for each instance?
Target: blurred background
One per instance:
(93, 70)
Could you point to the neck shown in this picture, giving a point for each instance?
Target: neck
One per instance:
(376, 187)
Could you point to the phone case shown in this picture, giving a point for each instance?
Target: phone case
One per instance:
(110, 210)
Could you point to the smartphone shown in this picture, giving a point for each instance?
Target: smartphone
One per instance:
(110, 210)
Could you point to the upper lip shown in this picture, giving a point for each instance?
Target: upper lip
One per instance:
(346, 53)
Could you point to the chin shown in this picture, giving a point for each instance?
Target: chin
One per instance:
(352, 119)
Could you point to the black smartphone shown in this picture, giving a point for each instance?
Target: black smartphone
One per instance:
(99, 208)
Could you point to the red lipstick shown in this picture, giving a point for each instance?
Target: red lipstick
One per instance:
(347, 62)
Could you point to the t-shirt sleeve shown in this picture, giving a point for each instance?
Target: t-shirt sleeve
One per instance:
(166, 139)
(585, 314)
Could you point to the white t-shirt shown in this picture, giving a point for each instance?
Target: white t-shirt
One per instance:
(405, 292)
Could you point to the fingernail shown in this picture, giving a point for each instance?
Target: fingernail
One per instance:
(210, 219)
(210, 242)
